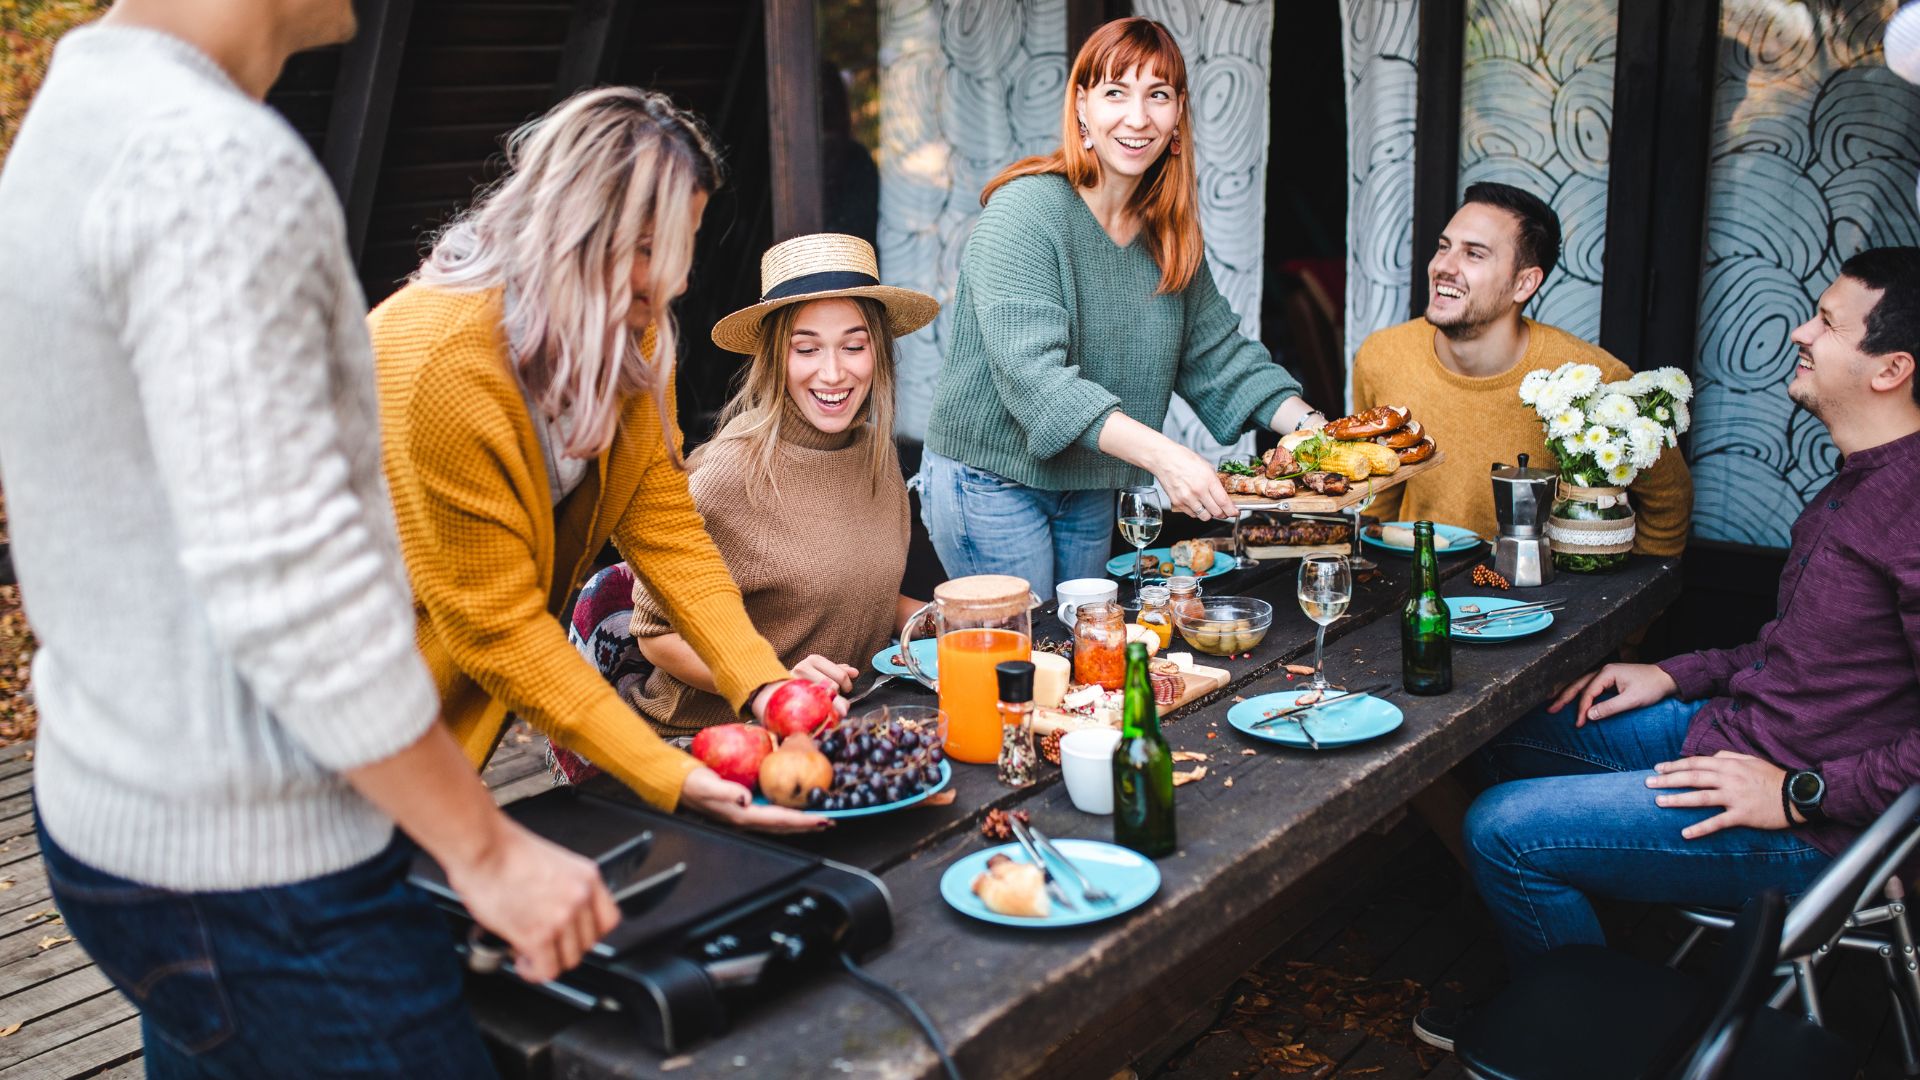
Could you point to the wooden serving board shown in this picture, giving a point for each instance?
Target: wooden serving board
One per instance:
(1297, 551)
(1356, 491)
(1202, 680)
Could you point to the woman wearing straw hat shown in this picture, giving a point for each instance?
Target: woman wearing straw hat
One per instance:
(526, 408)
(801, 489)
(1084, 302)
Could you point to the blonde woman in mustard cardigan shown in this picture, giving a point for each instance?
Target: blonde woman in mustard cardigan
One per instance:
(526, 405)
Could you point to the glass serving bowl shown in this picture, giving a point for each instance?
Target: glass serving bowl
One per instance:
(1224, 625)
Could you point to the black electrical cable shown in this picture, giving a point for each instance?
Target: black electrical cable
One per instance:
(908, 1006)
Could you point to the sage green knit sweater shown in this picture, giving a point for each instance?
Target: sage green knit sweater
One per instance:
(1055, 326)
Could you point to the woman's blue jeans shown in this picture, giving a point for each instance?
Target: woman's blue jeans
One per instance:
(1571, 816)
(348, 975)
(984, 523)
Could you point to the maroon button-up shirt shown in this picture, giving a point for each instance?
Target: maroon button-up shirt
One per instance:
(1833, 683)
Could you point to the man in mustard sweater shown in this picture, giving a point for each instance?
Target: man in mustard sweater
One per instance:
(1459, 368)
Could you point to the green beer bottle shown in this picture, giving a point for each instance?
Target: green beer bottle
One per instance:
(1426, 650)
(1142, 767)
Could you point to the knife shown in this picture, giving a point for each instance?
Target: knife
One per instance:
(1053, 886)
(1286, 713)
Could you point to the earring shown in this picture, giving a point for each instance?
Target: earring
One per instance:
(1086, 140)
(1175, 148)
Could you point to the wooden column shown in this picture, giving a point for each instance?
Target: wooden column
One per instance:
(594, 37)
(1436, 134)
(362, 105)
(793, 113)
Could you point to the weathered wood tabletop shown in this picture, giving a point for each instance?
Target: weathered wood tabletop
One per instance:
(1081, 1002)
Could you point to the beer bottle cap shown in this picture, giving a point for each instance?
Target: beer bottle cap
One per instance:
(1016, 680)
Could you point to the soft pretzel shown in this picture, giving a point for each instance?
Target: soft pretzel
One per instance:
(1417, 453)
(1404, 437)
(1375, 421)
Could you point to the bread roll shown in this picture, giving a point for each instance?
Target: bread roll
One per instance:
(1013, 888)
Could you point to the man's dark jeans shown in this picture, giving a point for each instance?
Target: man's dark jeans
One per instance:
(351, 974)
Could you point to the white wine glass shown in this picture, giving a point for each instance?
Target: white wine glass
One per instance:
(1139, 518)
(1326, 587)
(1359, 560)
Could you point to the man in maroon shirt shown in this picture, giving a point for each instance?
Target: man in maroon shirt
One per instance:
(1709, 777)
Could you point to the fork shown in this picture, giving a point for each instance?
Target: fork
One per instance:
(864, 694)
(1094, 894)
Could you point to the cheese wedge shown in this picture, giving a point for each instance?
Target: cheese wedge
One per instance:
(1051, 673)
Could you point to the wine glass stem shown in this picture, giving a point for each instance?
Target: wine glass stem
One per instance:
(1139, 553)
(1319, 658)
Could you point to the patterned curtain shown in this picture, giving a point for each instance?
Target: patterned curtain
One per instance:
(1383, 47)
(1815, 146)
(1536, 111)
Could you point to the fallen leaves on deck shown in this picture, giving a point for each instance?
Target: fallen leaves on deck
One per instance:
(49, 913)
(940, 798)
(1289, 1015)
(49, 942)
(1198, 772)
(10, 1029)
(1189, 755)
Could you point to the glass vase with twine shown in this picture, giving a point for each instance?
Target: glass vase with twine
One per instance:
(1591, 528)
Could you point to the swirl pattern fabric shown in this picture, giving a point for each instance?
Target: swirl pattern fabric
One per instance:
(1537, 112)
(1382, 39)
(967, 87)
(1815, 146)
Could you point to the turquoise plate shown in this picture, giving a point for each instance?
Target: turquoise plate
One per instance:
(1335, 725)
(1122, 565)
(1447, 539)
(946, 777)
(1506, 631)
(926, 651)
(1129, 876)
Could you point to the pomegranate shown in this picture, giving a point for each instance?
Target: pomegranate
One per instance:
(733, 750)
(788, 775)
(799, 707)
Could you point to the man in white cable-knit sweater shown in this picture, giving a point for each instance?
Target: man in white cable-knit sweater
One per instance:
(232, 712)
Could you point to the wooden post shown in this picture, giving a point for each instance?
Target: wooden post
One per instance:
(793, 113)
(362, 105)
(594, 35)
(1436, 134)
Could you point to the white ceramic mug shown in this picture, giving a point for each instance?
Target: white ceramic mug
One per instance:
(1086, 762)
(1072, 595)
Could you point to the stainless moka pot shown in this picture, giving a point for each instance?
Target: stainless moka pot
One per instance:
(1522, 499)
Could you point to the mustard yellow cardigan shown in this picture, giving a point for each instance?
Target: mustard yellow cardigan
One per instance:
(492, 560)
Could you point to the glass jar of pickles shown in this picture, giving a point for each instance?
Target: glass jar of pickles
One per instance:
(1155, 613)
(1100, 645)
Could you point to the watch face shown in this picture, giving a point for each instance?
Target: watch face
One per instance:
(1807, 787)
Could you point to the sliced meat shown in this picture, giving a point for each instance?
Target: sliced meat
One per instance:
(1280, 462)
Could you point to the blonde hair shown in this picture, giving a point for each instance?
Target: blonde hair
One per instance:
(585, 185)
(758, 409)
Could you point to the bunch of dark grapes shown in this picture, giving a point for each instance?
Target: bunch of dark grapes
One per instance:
(875, 763)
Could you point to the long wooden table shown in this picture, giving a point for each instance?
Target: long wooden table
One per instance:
(1083, 1002)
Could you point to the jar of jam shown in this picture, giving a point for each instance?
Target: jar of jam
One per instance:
(1155, 614)
(1100, 645)
(1180, 590)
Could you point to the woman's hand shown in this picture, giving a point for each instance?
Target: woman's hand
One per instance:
(822, 670)
(757, 705)
(723, 800)
(1192, 483)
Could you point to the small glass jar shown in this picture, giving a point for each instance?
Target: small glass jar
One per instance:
(1019, 763)
(1155, 612)
(1180, 590)
(1100, 645)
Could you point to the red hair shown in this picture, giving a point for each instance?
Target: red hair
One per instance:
(1166, 201)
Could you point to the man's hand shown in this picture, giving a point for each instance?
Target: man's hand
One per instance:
(723, 800)
(1192, 483)
(1747, 787)
(546, 902)
(1638, 685)
(822, 670)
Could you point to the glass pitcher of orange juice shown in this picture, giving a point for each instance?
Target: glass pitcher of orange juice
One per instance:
(979, 621)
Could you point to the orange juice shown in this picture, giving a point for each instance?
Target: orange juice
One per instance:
(969, 691)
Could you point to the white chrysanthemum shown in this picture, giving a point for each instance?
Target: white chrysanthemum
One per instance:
(1621, 475)
(1608, 455)
(1662, 413)
(1614, 410)
(1640, 383)
(1595, 438)
(1675, 382)
(1645, 439)
(1682, 417)
(1582, 380)
(1532, 385)
(1565, 423)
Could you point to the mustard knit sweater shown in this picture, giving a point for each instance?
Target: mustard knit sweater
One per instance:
(492, 560)
(1480, 421)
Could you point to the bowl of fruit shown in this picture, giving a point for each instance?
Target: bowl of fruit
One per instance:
(883, 760)
(1224, 625)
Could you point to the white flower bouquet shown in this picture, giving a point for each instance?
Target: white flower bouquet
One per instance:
(1603, 435)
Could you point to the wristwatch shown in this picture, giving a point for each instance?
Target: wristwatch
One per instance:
(1302, 422)
(1805, 791)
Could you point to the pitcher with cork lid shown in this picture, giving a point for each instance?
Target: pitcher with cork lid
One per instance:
(979, 622)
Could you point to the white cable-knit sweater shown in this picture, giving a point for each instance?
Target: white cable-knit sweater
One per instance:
(189, 444)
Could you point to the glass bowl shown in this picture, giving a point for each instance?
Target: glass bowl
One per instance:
(1224, 625)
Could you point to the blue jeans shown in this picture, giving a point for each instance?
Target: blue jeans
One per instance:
(1573, 817)
(984, 523)
(348, 975)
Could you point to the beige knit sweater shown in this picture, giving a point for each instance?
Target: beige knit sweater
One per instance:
(820, 569)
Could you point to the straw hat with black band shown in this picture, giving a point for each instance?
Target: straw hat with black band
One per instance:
(821, 266)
